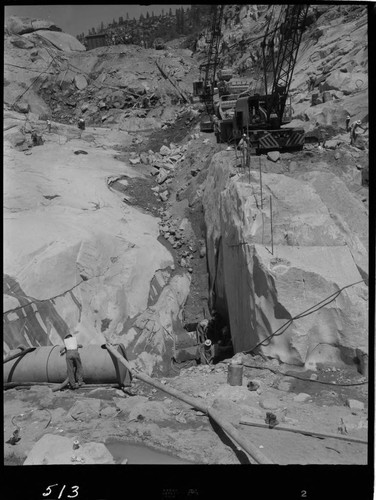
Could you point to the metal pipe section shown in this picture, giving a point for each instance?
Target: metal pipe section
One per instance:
(46, 364)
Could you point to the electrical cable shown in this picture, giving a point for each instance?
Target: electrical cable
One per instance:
(32, 83)
(30, 411)
(24, 67)
(308, 311)
(305, 379)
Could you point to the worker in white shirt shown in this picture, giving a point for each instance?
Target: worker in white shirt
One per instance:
(354, 133)
(74, 364)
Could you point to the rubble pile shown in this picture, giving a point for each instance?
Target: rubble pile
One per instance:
(108, 86)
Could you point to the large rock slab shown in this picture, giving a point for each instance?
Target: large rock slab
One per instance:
(58, 450)
(346, 211)
(85, 410)
(150, 410)
(151, 337)
(74, 250)
(127, 404)
(314, 256)
(21, 43)
(62, 41)
(346, 82)
(20, 25)
(80, 82)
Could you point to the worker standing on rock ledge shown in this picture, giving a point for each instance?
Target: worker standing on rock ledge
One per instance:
(321, 135)
(217, 130)
(353, 133)
(74, 365)
(81, 124)
(347, 123)
(311, 83)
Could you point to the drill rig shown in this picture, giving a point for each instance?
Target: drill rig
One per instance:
(261, 115)
(204, 88)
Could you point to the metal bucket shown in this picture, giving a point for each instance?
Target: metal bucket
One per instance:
(235, 374)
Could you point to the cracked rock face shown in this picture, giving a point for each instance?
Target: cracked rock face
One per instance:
(78, 258)
(314, 256)
(52, 449)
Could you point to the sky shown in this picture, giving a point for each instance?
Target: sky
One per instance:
(77, 19)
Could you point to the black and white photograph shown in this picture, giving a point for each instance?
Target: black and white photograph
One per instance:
(186, 239)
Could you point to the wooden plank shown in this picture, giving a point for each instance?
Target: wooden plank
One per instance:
(302, 431)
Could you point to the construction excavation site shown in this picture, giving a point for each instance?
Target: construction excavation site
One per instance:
(197, 221)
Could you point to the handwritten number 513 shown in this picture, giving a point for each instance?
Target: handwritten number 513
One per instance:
(73, 488)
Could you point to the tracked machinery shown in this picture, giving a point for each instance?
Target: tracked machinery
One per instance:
(204, 88)
(262, 112)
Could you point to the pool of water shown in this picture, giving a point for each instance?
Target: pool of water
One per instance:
(139, 454)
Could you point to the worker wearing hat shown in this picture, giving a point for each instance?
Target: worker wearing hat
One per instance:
(243, 146)
(207, 352)
(353, 131)
(73, 359)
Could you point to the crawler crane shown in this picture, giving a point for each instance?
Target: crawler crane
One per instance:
(261, 116)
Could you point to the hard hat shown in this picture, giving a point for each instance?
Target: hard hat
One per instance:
(358, 122)
(208, 343)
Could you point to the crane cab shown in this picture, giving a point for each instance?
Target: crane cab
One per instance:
(265, 134)
(198, 88)
(250, 113)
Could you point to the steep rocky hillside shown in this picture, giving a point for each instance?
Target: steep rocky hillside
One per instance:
(139, 227)
(52, 75)
(137, 101)
(333, 50)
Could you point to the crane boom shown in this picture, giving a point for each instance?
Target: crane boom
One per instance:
(210, 66)
(259, 113)
(291, 30)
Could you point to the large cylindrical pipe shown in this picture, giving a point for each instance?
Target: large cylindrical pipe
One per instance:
(45, 364)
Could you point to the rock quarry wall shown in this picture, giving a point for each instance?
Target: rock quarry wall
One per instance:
(77, 258)
(314, 256)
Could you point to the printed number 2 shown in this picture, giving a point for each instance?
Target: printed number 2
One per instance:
(303, 494)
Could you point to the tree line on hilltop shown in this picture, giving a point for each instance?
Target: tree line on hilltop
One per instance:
(186, 21)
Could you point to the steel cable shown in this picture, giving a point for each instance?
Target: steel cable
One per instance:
(303, 378)
(32, 83)
(307, 312)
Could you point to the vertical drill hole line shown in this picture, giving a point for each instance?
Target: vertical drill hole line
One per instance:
(271, 222)
(262, 205)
